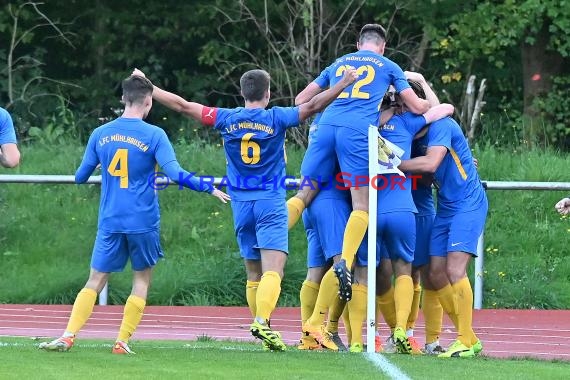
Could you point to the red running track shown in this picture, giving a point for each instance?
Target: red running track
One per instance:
(540, 334)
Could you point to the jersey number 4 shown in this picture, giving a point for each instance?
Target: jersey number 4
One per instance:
(250, 150)
(356, 93)
(119, 167)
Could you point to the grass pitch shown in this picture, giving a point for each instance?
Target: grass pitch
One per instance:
(92, 359)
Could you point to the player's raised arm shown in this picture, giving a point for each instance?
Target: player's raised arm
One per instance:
(175, 102)
(413, 102)
(166, 159)
(308, 93)
(322, 100)
(425, 164)
(430, 95)
(9, 153)
(90, 160)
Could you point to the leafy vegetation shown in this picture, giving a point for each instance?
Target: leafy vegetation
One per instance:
(199, 49)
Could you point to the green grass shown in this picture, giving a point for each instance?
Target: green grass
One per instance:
(91, 359)
(47, 232)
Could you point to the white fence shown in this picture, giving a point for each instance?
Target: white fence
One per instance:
(489, 185)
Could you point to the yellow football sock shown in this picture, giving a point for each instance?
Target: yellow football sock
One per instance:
(251, 295)
(357, 312)
(132, 316)
(347, 328)
(464, 294)
(353, 234)
(385, 303)
(403, 296)
(433, 315)
(448, 302)
(295, 207)
(267, 294)
(326, 297)
(82, 309)
(335, 311)
(415, 310)
(308, 296)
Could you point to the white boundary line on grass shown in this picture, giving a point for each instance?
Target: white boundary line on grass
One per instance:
(384, 365)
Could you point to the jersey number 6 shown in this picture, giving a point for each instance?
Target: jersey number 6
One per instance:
(119, 167)
(250, 150)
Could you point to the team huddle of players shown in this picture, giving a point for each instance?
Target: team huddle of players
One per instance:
(414, 240)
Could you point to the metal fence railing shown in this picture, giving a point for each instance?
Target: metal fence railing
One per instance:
(479, 261)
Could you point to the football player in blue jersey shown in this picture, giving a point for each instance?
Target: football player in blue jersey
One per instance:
(9, 153)
(460, 219)
(324, 221)
(343, 134)
(431, 307)
(396, 211)
(254, 139)
(128, 149)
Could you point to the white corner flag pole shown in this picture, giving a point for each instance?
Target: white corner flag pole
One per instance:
(372, 215)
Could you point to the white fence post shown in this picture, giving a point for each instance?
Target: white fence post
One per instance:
(479, 271)
(372, 215)
(104, 295)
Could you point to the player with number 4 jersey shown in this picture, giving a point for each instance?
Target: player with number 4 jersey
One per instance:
(128, 150)
(254, 139)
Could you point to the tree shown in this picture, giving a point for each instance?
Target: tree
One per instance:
(537, 28)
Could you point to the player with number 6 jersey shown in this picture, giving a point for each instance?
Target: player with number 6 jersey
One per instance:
(254, 139)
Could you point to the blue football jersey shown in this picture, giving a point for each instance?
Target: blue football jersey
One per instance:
(459, 185)
(7, 132)
(128, 150)
(358, 106)
(395, 192)
(422, 195)
(254, 143)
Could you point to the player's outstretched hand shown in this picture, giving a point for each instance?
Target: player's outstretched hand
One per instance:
(563, 206)
(412, 75)
(221, 195)
(138, 73)
(350, 76)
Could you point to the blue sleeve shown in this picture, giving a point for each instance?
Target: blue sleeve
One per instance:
(7, 132)
(323, 80)
(221, 116)
(286, 117)
(439, 135)
(166, 159)
(398, 78)
(90, 160)
(414, 123)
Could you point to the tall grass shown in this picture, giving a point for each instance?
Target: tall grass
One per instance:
(47, 233)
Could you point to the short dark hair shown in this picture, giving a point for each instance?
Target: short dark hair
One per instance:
(254, 84)
(372, 33)
(136, 89)
(418, 89)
